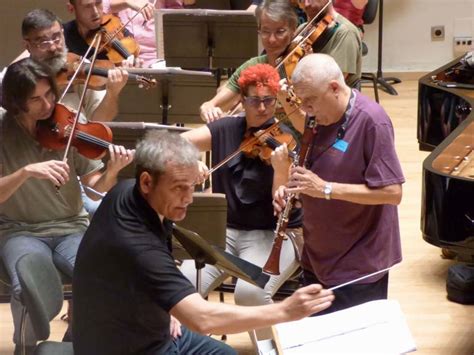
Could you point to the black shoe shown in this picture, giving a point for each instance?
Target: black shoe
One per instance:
(29, 350)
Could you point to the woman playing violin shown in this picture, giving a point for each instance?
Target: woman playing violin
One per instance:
(247, 183)
(44, 39)
(340, 40)
(277, 24)
(36, 216)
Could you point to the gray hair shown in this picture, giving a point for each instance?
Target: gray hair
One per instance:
(38, 19)
(159, 148)
(277, 10)
(317, 70)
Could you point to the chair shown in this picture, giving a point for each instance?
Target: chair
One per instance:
(42, 296)
(370, 12)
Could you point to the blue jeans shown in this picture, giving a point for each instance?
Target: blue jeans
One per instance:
(62, 251)
(89, 204)
(194, 343)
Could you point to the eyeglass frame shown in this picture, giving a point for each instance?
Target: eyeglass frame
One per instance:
(256, 101)
(280, 33)
(48, 42)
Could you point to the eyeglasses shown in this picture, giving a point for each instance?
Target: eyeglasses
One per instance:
(46, 44)
(255, 101)
(280, 33)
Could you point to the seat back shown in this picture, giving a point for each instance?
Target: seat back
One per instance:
(42, 292)
(370, 11)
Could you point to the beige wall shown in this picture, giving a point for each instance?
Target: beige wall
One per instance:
(407, 33)
(407, 36)
(12, 13)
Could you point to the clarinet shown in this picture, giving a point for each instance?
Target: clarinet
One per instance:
(272, 266)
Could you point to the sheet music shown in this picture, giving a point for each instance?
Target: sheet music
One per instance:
(377, 327)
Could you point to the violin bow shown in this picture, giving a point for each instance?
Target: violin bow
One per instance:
(97, 38)
(76, 72)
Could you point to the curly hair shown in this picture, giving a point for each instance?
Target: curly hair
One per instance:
(259, 75)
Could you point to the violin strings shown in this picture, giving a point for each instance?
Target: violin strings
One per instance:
(92, 139)
(273, 143)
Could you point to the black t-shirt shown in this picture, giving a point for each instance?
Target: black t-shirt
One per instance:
(75, 43)
(246, 182)
(125, 279)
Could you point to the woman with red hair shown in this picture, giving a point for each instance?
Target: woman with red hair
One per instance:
(248, 186)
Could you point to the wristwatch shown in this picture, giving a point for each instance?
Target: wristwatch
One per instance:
(327, 191)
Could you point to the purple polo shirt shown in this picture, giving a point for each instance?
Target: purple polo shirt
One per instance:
(344, 240)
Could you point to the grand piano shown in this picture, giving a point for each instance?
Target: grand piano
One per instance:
(446, 128)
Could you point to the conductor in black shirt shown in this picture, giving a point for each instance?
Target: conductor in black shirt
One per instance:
(130, 298)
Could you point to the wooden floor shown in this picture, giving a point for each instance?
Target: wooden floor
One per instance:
(438, 326)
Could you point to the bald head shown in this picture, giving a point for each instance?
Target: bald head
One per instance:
(317, 70)
(319, 84)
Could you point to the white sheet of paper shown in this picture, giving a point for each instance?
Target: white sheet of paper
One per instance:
(373, 327)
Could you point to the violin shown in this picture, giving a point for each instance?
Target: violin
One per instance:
(251, 143)
(303, 42)
(91, 139)
(99, 74)
(266, 143)
(117, 46)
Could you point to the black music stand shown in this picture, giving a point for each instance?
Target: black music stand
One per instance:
(222, 4)
(200, 38)
(384, 82)
(176, 98)
(204, 253)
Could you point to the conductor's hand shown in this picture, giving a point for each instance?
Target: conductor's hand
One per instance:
(119, 158)
(210, 113)
(54, 170)
(306, 301)
(175, 328)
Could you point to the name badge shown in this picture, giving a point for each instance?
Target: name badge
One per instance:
(341, 145)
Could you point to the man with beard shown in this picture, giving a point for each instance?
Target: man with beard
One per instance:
(41, 210)
(43, 37)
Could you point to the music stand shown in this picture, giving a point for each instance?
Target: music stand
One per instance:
(176, 98)
(384, 82)
(204, 253)
(201, 38)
